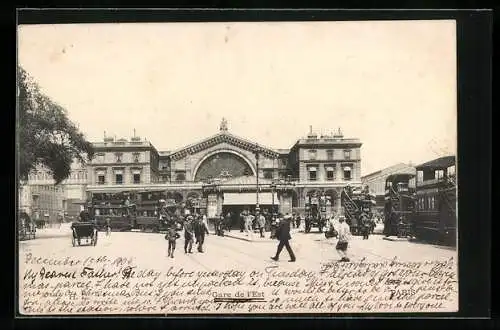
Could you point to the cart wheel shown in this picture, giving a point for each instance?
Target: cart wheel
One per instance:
(73, 241)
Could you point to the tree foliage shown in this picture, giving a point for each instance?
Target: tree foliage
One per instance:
(46, 137)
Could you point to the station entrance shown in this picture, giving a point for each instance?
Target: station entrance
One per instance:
(235, 204)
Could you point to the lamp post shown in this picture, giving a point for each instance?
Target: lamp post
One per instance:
(257, 208)
(273, 187)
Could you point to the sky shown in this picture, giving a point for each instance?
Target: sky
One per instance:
(392, 84)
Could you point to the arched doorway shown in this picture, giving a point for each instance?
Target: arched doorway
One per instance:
(223, 164)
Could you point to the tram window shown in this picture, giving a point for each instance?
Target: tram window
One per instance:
(439, 174)
(450, 171)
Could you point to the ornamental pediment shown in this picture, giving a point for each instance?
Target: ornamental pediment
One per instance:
(223, 137)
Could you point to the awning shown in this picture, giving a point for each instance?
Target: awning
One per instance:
(250, 199)
(312, 169)
(347, 168)
(330, 169)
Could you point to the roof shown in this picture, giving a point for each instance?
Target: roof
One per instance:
(394, 169)
(222, 137)
(400, 176)
(442, 162)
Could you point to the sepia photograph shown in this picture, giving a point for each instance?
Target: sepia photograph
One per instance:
(225, 168)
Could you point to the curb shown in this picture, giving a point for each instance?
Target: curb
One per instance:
(396, 239)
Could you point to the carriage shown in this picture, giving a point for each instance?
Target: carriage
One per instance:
(357, 203)
(27, 227)
(86, 231)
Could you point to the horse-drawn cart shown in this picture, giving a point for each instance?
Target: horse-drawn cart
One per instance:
(84, 231)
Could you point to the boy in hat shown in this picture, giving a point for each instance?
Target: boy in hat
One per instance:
(171, 237)
(188, 235)
(344, 232)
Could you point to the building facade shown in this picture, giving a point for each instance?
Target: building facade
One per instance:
(43, 200)
(224, 172)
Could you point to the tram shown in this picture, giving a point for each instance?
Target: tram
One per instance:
(399, 205)
(355, 203)
(435, 218)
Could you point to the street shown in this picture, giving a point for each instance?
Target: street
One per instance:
(150, 249)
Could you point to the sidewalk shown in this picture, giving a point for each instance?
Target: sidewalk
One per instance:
(255, 237)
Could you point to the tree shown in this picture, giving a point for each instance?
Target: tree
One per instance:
(46, 137)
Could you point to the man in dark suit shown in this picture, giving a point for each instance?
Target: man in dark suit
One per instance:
(283, 235)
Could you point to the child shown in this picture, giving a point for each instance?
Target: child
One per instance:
(171, 236)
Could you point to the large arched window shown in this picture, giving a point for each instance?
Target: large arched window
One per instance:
(223, 165)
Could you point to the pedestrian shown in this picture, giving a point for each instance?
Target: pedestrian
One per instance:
(188, 235)
(242, 221)
(171, 237)
(344, 233)
(261, 223)
(248, 223)
(297, 221)
(227, 221)
(200, 229)
(366, 223)
(283, 235)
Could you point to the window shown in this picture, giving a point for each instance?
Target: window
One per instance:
(119, 178)
(450, 171)
(137, 178)
(420, 176)
(347, 173)
(312, 154)
(136, 157)
(118, 157)
(329, 154)
(347, 154)
(268, 174)
(312, 173)
(330, 173)
(100, 179)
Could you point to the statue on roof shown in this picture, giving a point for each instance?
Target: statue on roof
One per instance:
(223, 125)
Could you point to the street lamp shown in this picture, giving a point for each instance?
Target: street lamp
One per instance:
(273, 187)
(257, 208)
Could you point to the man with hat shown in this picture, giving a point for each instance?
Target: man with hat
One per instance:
(283, 235)
(188, 235)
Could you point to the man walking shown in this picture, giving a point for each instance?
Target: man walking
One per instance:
(344, 233)
(188, 235)
(283, 235)
(200, 229)
(261, 223)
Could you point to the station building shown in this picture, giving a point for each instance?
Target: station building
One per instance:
(223, 172)
(226, 172)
